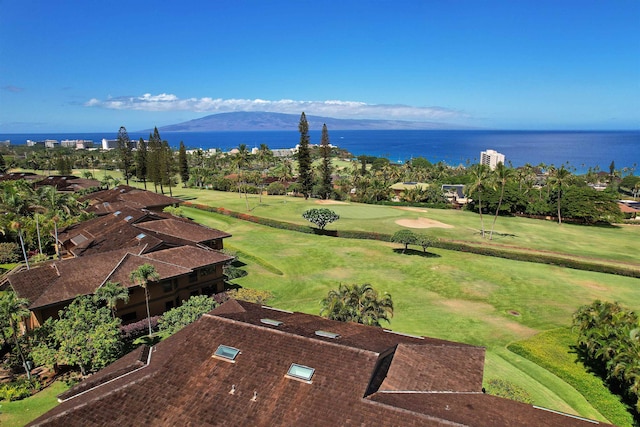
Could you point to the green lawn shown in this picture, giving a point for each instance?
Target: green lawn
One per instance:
(21, 412)
(479, 300)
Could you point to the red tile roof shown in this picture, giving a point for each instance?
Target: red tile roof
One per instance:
(183, 384)
(124, 195)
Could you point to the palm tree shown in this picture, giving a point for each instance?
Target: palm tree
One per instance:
(14, 310)
(480, 177)
(502, 174)
(141, 276)
(357, 303)
(110, 293)
(560, 179)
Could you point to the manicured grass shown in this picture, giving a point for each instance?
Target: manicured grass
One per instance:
(21, 412)
(613, 243)
(551, 350)
(458, 296)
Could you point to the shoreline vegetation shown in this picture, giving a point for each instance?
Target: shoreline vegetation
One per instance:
(447, 291)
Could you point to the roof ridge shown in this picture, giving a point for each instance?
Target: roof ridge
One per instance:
(302, 337)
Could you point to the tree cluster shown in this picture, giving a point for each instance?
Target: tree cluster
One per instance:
(609, 343)
(357, 303)
(408, 237)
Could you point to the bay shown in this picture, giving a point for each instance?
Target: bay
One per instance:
(581, 150)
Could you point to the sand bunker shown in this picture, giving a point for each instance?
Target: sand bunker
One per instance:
(409, 208)
(330, 202)
(422, 223)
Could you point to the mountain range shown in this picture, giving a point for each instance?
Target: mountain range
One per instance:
(261, 121)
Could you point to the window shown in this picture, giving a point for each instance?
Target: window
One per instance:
(167, 286)
(327, 334)
(129, 317)
(226, 352)
(271, 322)
(300, 372)
(193, 277)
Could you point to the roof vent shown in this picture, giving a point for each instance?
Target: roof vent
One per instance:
(271, 322)
(225, 352)
(116, 213)
(300, 372)
(141, 236)
(327, 334)
(128, 218)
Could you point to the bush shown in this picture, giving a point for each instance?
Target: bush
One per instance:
(19, 390)
(276, 188)
(9, 252)
(507, 389)
(139, 328)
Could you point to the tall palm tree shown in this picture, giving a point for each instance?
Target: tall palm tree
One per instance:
(502, 175)
(141, 276)
(14, 310)
(559, 180)
(110, 293)
(480, 176)
(357, 303)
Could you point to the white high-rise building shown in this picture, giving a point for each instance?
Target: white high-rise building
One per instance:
(491, 158)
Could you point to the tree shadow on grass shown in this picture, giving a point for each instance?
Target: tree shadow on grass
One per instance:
(415, 252)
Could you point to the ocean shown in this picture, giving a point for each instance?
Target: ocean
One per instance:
(580, 149)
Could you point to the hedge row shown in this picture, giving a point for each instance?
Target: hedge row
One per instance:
(442, 244)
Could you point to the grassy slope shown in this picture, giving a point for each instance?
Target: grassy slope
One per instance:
(21, 412)
(449, 295)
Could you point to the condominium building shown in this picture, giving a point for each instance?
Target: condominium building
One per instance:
(491, 158)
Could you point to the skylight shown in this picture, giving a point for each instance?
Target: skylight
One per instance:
(226, 352)
(327, 334)
(141, 236)
(301, 372)
(116, 213)
(271, 322)
(128, 218)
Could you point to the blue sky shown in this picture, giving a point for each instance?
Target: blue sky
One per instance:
(71, 66)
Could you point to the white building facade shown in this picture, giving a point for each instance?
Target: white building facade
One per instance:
(491, 158)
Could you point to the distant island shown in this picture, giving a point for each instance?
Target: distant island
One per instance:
(263, 121)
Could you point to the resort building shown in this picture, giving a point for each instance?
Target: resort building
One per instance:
(491, 158)
(244, 364)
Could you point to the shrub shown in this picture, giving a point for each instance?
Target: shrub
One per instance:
(9, 252)
(18, 390)
(507, 389)
(250, 295)
(276, 188)
(139, 328)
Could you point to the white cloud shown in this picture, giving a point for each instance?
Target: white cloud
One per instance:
(329, 108)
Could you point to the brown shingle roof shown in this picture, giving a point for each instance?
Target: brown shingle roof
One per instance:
(183, 230)
(101, 201)
(184, 385)
(60, 281)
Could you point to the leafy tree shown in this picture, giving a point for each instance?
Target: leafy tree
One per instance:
(326, 185)
(141, 276)
(141, 162)
(13, 311)
(357, 303)
(3, 164)
(320, 217)
(110, 293)
(305, 176)
(125, 152)
(86, 335)
(424, 241)
(183, 164)
(190, 311)
(405, 237)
